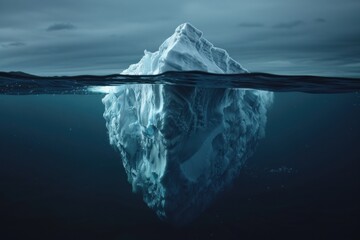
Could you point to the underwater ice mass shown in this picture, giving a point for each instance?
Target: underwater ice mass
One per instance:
(181, 146)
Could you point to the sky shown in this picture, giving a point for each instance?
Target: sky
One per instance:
(67, 37)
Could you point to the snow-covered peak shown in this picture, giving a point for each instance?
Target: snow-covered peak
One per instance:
(185, 50)
(188, 30)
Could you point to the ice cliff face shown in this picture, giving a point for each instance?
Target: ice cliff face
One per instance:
(181, 146)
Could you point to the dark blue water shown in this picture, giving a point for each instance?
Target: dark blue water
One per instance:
(19, 83)
(61, 179)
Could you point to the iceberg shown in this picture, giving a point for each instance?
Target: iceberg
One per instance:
(182, 146)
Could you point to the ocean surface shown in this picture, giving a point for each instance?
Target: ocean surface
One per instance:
(61, 179)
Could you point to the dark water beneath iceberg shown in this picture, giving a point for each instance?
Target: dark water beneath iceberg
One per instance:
(61, 179)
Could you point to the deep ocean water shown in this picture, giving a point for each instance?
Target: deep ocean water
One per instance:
(61, 179)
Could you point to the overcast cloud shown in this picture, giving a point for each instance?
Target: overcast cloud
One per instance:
(60, 27)
(101, 37)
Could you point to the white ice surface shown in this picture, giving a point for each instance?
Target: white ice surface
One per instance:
(185, 50)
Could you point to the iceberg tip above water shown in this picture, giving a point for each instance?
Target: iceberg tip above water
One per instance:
(185, 50)
(181, 146)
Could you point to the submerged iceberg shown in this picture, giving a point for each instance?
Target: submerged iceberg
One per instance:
(181, 146)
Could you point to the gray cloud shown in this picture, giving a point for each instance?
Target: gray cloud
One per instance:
(251, 25)
(113, 34)
(13, 44)
(289, 25)
(320, 20)
(60, 27)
